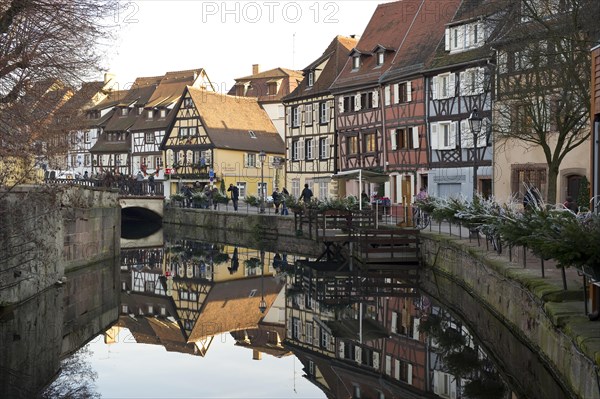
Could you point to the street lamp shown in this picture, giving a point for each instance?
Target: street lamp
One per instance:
(261, 157)
(262, 306)
(475, 125)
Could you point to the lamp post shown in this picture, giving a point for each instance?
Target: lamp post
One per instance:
(475, 125)
(262, 306)
(261, 157)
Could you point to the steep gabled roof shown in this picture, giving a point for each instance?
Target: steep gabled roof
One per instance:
(257, 84)
(421, 41)
(228, 120)
(229, 306)
(141, 91)
(468, 11)
(387, 28)
(171, 87)
(334, 57)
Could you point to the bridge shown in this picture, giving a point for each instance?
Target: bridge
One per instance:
(139, 200)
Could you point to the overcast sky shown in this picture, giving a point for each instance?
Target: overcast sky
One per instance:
(227, 37)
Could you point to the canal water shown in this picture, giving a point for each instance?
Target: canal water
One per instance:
(182, 318)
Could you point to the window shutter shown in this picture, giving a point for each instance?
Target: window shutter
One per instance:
(434, 143)
(453, 126)
(452, 84)
(462, 77)
(394, 139)
(480, 80)
(357, 104)
(485, 128)
(358, 354)
(434, 88)
(468, 33)
(409, 374)
(396, 93)
(394, 326)
(288, 111)
(271, 160)
(245, 160)
(466, 136)
(502, 62)
(301, 149)
(376, 360)
(376, 99)
(480, 33)
(409, 91)
(289, 152)
(415, 136)
(461, 37)
(327, 147)
(387, 93)
(341, 350)
(340, 104)
(447, 40)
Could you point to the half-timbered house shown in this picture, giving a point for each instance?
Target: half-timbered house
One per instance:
(310, 131)
(459, 83)
(359, 118)
(112, 151)
(83, 106)
(269, 88)
(216, 137)
(148, 130)
(404, 101)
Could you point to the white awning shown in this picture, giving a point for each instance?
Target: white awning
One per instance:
(362, 174)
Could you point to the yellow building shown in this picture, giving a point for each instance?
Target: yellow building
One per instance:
(216, 137)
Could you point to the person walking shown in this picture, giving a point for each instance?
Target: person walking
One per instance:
(284, 196)
(276, 199)
(214, 194)
(306, 194)
(235, 195)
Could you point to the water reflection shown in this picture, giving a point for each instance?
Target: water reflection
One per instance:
(39, 335)
(353, 335)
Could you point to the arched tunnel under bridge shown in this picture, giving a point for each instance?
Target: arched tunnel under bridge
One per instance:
(140, 217)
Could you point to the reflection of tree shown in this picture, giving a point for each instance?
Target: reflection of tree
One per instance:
(462, 360)
(76, 379)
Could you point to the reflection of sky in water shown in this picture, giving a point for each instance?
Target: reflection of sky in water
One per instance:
(130, 370)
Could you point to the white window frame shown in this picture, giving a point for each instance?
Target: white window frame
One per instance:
(356, 62)
(308, 112)
(380, 58)
(311, 79)
(323, 190)
(323, 148)
(309, 149)
(323, 112)
(295, 150)
(149, 138)
(296, 116)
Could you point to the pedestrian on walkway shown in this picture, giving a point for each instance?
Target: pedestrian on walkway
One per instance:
(276, 199)
(306, 194)
(284, 196)
(235, 195)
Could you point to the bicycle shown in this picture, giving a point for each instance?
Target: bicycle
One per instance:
(421, 219)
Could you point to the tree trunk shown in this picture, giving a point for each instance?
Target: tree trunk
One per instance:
(552, 184)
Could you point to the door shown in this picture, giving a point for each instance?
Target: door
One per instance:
(573, 185)
(407, 189)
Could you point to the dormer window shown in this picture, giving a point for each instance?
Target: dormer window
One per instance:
(311, 79)
(380, 58)
(465, 37)
(124, 111)
(252, 134)
(187, 102)
(272, 88)
(140, 110)
(150, 113)
(356, 62)
(163, 113)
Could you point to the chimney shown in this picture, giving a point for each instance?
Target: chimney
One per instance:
(255, 69)
(256, 354)
(109, 81)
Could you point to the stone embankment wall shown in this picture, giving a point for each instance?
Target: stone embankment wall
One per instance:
(526, 307)
(49, 231)
(274, 233)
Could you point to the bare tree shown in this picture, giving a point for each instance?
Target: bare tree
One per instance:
(47, 47)
(76, 378)
(543, 85)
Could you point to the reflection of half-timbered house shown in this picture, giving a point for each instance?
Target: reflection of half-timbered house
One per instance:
(404, 101)
(269, 88)
(234, 306)
(217, 137)
(112, 151)
(359, 116)
(310, 131)
(148, 131)
(459, 82)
